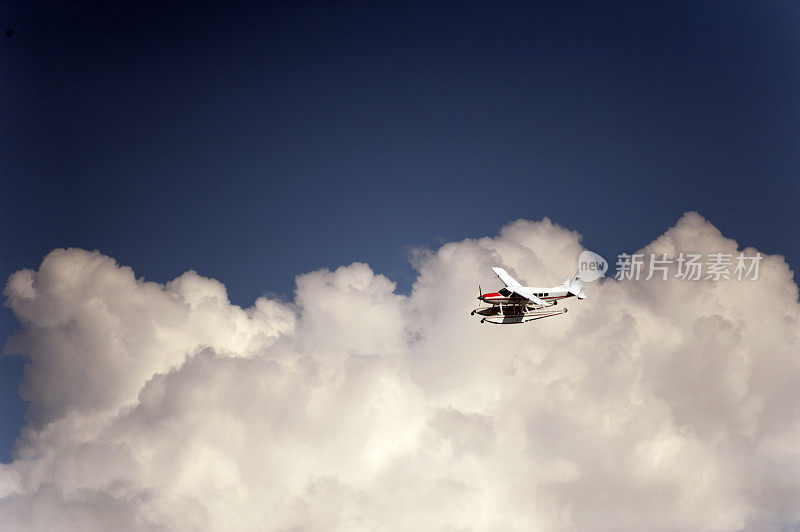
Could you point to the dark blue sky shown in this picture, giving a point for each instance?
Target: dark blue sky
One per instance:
(255, 142)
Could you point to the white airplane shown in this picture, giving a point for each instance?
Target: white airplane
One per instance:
(520, 304)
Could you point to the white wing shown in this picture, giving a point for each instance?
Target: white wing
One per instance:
(507, 279)
(517, 288)
(527, 294)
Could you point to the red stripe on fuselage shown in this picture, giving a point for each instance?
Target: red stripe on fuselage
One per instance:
(497, 298)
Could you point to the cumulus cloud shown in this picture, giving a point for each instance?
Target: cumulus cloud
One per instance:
(668, 405)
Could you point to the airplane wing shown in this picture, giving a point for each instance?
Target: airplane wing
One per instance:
(527, 294)
(517, 288)
(507, 279)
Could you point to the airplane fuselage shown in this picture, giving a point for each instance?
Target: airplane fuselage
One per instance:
(507, 297)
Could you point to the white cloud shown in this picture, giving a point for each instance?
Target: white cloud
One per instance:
(667, 405)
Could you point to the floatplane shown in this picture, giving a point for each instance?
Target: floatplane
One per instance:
(520, 304)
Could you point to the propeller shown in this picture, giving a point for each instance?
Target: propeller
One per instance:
(480, 293)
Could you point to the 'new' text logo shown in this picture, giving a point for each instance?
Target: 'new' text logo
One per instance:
(591, 266)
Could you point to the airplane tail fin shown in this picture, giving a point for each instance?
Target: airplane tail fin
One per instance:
(575, 285)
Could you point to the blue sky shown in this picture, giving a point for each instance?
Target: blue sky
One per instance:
(254, 143)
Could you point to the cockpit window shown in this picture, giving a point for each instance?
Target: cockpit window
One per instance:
(505, 292)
